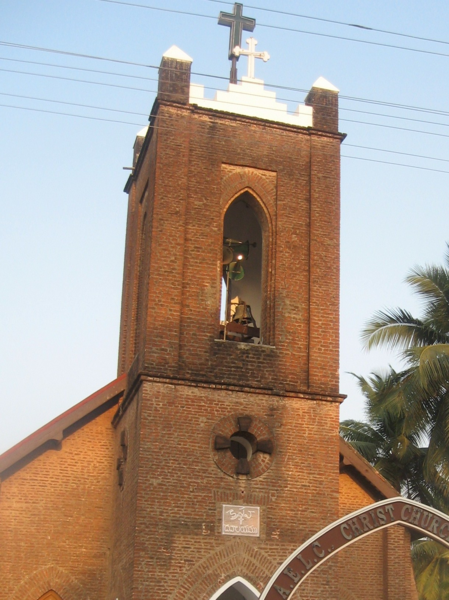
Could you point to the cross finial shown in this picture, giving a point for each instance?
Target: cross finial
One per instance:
(237, 22)
(252, 55)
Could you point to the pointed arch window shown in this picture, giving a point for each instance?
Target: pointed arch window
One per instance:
(236, 589)
(242, 313)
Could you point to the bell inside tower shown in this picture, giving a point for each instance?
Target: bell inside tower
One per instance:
(241, 299)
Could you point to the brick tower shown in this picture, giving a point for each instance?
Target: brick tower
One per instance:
(209, 467)
(232, 393)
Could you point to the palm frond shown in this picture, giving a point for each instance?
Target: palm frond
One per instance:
(431, 567)
(396, 328)
(434, 367)
(362, 437)
(430, 282)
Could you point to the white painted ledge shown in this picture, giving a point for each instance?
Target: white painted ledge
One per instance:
(249, 98)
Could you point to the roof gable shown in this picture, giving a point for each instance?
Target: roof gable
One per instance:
(355, 464)
(54, 430)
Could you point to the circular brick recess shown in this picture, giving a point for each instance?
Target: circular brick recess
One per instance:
(262, 442)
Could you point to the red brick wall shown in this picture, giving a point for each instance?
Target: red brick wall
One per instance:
(363, 578)
(65, 524)
(123, 532)
(295, 174)
(56, 518)
(179, 549)
(379, 565)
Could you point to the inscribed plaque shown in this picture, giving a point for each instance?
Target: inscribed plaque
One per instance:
(241, 520)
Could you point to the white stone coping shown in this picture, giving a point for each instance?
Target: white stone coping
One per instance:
(249, 98)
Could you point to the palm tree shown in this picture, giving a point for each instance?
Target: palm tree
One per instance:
(391, 445)
(409, 407)
(420, 394)
(431, 567)
(387, 442)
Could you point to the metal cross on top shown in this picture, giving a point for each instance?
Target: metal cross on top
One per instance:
(252, 55)
(237, 22)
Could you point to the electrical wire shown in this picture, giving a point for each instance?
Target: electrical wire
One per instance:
(44, 64)
(90, 106)
(207, 87)
(272, 85)
(213, 88)
(114, 85)
(248, 106)
(349, 98)
(386, 162)
(334, 22)
(396, 127)
(397, 152)
(128, 112)
(284, 28)
(174, 130)
(53, 112)
(367, 112)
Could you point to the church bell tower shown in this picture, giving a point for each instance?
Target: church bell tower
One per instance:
(229, 339)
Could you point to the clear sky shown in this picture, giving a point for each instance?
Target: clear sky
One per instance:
(63, 210)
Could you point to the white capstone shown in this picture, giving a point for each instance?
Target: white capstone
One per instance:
(324, 84)
(178, 54)
(142, 132)
(249, 98)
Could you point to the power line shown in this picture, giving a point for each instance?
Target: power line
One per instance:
(334, 22)
(158, 127)
(207, 87)
(347, 145)
(386, 162)
(350, 98)
(76, 54)
(434, 111)
(283, 28)
(124, 87)
(44, 64)
(272, 85)
(128, 112)
(94, 57)
(53, 112)
(396, 127)
(273, 109)
(366, 112)
(168, 10)
(95, 107)
(397, 152)
(212, 88)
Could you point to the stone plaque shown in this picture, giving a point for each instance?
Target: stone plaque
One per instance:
(241, 520)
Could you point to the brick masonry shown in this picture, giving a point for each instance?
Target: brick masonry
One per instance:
(128, 506)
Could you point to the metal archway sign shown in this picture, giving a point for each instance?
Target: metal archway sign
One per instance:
(350, 529)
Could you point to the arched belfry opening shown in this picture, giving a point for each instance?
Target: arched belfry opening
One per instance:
(236, 589)
(241, 313)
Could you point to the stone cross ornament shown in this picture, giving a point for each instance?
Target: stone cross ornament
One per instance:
(252, 55)
(238, 23)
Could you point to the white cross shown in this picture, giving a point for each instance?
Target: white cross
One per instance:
(251, 54)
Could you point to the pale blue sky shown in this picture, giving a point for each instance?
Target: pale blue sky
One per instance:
(63, 211)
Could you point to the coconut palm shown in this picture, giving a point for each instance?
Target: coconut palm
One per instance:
(407, 434)
(388, 443)
(398, 452)
(420, 394)
(431, 567)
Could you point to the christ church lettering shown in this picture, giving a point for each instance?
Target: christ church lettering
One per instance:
(331, 539)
